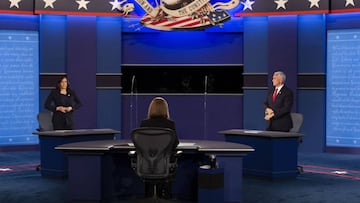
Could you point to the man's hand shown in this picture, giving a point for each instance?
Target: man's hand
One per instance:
(269, 113)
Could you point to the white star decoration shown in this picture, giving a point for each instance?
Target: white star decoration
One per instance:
(281, 4)
(247, 4)
(348, 2)
(49, 3)
(82, 4)
(116, 4)
(14, 3)
(314, 3)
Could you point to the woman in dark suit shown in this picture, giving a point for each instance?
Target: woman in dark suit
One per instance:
(62, 102)
(278, 105)
(158, 116)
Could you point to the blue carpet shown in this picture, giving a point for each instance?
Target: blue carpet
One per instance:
(319, 183)
(23, 184)
(327, 178)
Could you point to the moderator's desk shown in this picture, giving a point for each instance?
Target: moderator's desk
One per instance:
(53, 163)
(275, 152)
(100, 170)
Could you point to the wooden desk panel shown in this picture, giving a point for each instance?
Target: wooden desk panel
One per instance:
(275, 153)
(108, 172)
(53, 163)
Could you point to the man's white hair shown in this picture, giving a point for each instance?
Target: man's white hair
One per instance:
(281, 74)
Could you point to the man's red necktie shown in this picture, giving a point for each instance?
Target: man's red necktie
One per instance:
(274, 95)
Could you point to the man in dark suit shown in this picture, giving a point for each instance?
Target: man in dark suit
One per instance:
(278, 104)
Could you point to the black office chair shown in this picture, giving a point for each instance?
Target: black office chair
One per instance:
(45, 124)
(154, 160)
(45, 121)
(297, 119)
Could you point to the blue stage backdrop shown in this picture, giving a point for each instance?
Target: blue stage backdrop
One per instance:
(19, 86)
(343, 88)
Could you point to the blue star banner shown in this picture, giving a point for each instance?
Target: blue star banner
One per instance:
(84, 7)
(282, 7)
(341, 6)
(17, 6)
(178, 8)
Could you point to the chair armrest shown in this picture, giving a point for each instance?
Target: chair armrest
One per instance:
(175, 155)
(133, 159)
(178, 153)
(173, 162)
(132, 153)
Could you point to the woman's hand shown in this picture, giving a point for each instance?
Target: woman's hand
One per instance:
(64, 109)
(61, 109)
(68, 109)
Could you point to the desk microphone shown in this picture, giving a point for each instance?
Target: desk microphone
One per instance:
(205, 104)
(206, 82)
(132, 83)
(133, 87)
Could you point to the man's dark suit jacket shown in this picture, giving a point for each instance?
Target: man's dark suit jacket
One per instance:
(160, 122)
(282, 109)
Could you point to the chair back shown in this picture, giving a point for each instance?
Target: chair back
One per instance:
(154, 147)
(297, 119)
(45, 121)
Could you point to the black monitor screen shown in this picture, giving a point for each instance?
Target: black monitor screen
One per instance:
(182, 79)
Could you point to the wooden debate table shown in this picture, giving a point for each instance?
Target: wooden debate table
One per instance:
(100, 170)
(276, 153)
(53, 163)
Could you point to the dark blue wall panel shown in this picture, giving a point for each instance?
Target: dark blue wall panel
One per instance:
(255, 45)
(52, 44)
(312, 59)
(108, 59)
(182, 48)
(312, 46)
(254, 109)
(108, 105)
(312, 105)
(108, 56)
(19, 22)
(222, 112)
(81, 66)
(343, 21)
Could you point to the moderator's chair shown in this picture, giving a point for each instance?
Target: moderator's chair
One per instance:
(297, 119)
(45, 121)
(154, 160)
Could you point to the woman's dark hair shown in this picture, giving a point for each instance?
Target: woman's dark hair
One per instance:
(59, 81)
